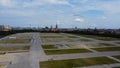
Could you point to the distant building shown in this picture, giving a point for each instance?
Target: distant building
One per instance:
(51, 27)
(56, 26)
(55, 29)
(1, 27)
(75, 28)
(7, 28)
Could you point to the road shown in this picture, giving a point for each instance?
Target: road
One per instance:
(30, 60)
(36, 51)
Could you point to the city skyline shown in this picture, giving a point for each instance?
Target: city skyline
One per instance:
(65, 13)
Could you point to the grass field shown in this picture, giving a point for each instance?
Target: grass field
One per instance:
(49, 47)
(84, 40)
(1, 53)
(69, 40)
(20, 51)
(105, 44)
(118, 57)
(118, 42)
(14, 48)
(22, 35)
(45, 40)
(115, 67)
(15, 41)
(88, 45)
(66, 51)
(51, 40)
(51, 36)
(101, 38)
(74, 63)
(107, 49)
(2, 66)
(72, 37)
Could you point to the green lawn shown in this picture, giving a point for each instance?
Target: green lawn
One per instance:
(101, 38)
(84, 40)
(45, 40)
(2, 66)
(72, 37)
(51, 36)
(66, 51)
(118, 57)
(88, 45)
(18, 51)
(115, 67)
(14, 48)
(15, 41)
(23, 36)
(72, 63)
(107, 49)
(1, 53)
(49, 47)
(118, 42)
(105, 44)
(51, 40)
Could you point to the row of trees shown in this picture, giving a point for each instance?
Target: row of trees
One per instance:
(4, 33)
(107, 34)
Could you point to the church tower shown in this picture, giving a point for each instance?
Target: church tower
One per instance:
(56, 26)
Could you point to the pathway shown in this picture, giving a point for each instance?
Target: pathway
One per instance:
(30, 60)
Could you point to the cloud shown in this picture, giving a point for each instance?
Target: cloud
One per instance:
(17, 13)
(83, 1)
(29, 3)
(79, 20)
(67, 11)
(44, 2)
(93, 12)
(57, 1)
(108, 6)
(59, 22)
(7, 3)
(104, 17)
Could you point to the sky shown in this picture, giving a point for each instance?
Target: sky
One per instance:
(65, 13)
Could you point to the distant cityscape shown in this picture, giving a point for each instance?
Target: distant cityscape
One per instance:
(56, 28)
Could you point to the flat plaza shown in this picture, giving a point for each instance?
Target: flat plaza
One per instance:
(59, 50)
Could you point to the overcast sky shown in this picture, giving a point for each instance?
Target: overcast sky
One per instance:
(66, 13)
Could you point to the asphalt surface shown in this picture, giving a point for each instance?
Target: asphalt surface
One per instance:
(36, 53)
(30, 60)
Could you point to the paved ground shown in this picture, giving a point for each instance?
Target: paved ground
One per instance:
(36, 51)
(30, 60)
(82, 55)
(36, 54)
